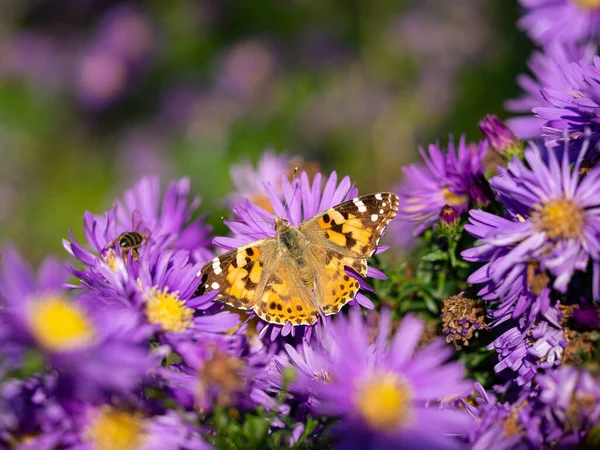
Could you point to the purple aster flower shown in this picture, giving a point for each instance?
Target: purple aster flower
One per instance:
(522, 289)
(561, 20)
(574, 112)
(30, 416)
(387, 393)
(221, 371)
(554, 231)
(109, 427)
(571, 404)
(93, 351)
(549, 70)
(447, 178)
(160, 290)
(499, 425)
(148, 222)
(303, 200)
(249, 182)
(530, 346)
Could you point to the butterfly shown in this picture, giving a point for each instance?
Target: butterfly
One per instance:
(301, 273)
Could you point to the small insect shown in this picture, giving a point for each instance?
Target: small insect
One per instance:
(129, 241)
(301, 273)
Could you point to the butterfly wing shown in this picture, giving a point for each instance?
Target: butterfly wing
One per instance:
(285, 296)
(344, 236)
(261, 277)
(238, 274)
(354, 227)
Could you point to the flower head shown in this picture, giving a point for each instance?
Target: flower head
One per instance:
(568, 21)
(108, 427)
(574, 112)
(222, 371)
(142, 220)
(553, 232)
(80, 342)
(385, 391)
(161, 291)
(530, 346)
(549, 68)
(445, 179)
(30, 415)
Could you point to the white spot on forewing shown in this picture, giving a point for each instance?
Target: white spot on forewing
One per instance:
(381, 211)
(216, 265)
(383, 204)
(360, 205)
(374, 217)
(378, 197)
(215, 285)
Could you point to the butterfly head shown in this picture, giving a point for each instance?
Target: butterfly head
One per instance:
(281, 225)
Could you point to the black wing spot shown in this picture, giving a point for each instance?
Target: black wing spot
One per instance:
(326, 218)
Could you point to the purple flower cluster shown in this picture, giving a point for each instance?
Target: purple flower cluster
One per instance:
(453, 177)
(100, 361)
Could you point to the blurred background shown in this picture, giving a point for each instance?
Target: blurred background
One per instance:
(96, 93)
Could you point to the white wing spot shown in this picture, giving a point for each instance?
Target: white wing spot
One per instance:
(374, 217)
(360, 205)
(215, 285)
(384, 204)
(381, 211)
(216, 265)
(378, 197)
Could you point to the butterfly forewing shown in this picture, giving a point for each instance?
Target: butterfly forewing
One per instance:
(354, 226)
(238, 274)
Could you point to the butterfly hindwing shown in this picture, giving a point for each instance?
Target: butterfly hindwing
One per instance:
(333, 286)
(356, 225)
(237, 274)
(284, 297)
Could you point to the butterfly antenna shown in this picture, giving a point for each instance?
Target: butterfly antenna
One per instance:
(235, 219)
(286, 203)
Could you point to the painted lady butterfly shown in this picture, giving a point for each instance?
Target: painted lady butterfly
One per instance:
(301, 273)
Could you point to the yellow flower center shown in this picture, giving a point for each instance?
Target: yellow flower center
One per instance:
(385, 402)
(587, 4)
(115, 430)
(58, 325)
(168, 310)
(562, 218)
(454, 199)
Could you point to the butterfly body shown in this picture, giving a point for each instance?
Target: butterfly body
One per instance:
(301, 272)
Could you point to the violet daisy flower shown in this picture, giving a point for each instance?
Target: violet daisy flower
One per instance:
(570, 399)
(94, 352)
(387, 393)
(561, 20)
(148, 221)
(556, 230)
(221, 371)
(107, 427)
(573, 112)
(549, 70)
(499, 425)
(453, 178)
(303, 200)
(531, 346)
(160, 291)
(31, 417)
